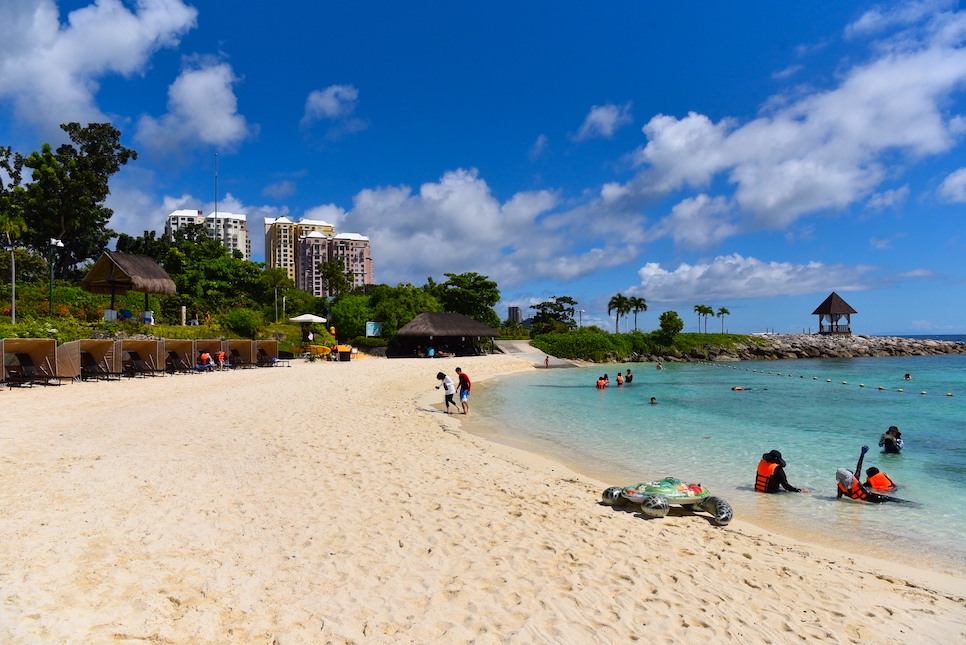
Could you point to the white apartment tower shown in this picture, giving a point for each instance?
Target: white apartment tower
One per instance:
(231, 229)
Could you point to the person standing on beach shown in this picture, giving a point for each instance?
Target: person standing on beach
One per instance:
(449, 389)
(464, 389)
(770, 477)
(546, 362)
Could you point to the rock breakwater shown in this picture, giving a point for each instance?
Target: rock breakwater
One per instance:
(787, 346)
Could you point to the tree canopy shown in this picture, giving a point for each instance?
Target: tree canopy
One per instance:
(65, 199)
(470, 294)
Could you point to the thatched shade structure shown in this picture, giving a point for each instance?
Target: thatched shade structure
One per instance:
(445, 333)
(117, 273)
(830, 314)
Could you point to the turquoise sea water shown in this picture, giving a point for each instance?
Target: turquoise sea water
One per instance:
(702, 431)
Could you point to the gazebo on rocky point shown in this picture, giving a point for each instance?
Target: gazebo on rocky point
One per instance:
(830, 314)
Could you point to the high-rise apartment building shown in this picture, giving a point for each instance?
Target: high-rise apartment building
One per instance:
(231, 229)
(282, 237)
(314, 248)
(353, 250)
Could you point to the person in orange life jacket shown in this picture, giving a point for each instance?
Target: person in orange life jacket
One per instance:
(620, 379)
(771, 475)
(600, 383)
(878, 480)
(850, 486)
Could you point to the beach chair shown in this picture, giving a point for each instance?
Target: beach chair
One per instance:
(138, 366)
(263, 359)
(27, 373)
(175, 363)
(92, 370)
(236, 360)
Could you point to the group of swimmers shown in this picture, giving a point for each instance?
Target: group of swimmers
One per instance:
(770, 476)
(604, 380)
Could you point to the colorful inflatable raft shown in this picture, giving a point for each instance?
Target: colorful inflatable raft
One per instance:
(656, 498)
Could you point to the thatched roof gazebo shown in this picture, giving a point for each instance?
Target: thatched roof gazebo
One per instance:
(117, 273)
(445, 333)
(830, 314)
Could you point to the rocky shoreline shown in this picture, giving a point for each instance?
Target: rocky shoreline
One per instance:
(788, 346)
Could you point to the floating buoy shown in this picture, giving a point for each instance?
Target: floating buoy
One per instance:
(861, 384)
(814, 378)
(779, 374)
(845, 382)
(881, 388)
(828, 380)
(949, 393)
(899, 390)
(802, 376)
(923, 392)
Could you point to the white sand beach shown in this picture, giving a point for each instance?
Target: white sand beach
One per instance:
(332, 503)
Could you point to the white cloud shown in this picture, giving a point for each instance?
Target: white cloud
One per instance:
(901, 14)
(329, 213)
(791, 70)
(279, 189)
(538, 148)
(821, 152)
(51, 72)
(457, 225)
(737, 277)
(202, 109)
(698, 222)
(889, 198)
(603, 121)
(953, 188)
(336, 103)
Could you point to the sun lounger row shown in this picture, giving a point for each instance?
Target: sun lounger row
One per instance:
(30, 361)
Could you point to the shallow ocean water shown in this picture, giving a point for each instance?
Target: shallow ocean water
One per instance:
(702, 431)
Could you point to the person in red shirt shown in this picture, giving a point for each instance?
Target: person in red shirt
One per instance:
(464, 390)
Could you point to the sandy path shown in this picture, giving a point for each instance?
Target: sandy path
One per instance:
(328, 503)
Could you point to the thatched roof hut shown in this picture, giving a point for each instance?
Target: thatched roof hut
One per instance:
(434, 325)
(117, 273)
(830, 313)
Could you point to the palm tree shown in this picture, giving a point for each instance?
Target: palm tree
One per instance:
(13, 227)
(722, 312)
(619, 305)
(703, 311)
(637, 306)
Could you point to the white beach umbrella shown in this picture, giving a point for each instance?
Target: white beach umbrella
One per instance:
(308, 318)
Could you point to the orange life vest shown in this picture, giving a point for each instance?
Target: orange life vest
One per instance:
(881, 481)
(855, 492)
(600, 384)
(620, 379)
(766, 470)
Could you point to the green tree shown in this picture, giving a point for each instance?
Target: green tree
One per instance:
(65, 199)
(621, 305)
(349, 315)
(12, 224)
(396, 306)
(671, 326)
(559, 308)
(336, 277)
(244, 322)
(638, 305)
(470, 294)
(276, 280)
(149, 245)
(722, 312)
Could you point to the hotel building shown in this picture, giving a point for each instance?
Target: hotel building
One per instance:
(231, 229)
(282, 237)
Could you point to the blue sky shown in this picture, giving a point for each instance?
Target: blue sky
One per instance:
(754, 156)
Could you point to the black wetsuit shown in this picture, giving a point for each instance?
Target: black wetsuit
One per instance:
(778, 479)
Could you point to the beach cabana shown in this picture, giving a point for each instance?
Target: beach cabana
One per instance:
(151, 352)
(179, 355)
(210, 345)
(117, 273)
(266, 353)
(241, 353)
(830, 314)
(88, 358)
(447, 334)
(23, 355)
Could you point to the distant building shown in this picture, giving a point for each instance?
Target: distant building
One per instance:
(514, 314)
(353, 250)
(282, 237)
(231, 229)
(313, 250)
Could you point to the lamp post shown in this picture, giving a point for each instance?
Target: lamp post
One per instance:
(13, 285)
(580, 318)
(54, 243)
